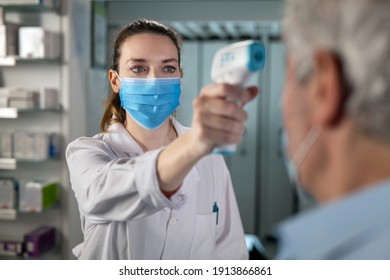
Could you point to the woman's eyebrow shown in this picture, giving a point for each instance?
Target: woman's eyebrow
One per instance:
(136, 60)
(142, 60)
(170, 60)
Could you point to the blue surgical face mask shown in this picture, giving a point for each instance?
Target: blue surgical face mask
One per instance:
(150, 101)
(293, 164)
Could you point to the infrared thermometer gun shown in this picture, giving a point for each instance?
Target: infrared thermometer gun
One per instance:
(235, 64)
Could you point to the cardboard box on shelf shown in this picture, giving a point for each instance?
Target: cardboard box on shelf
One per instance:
(29, 98)
(36, 42)
(8, 194)
(6, 145)
(36, 196)
(8, 39)
(39, 241)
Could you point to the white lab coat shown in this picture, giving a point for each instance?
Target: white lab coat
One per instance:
(124, 215)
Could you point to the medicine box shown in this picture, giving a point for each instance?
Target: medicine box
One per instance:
(11, 248)
(29, 98)
(31, 146)
(36, 42)
(3, 101)
(48, 98)
(23, 145)
(37, 196)
(6, 145)
(8, 39)
(34, 145)
(4, 94)
(54, 146)
(39, 241)
(8, 194)
(19, 97)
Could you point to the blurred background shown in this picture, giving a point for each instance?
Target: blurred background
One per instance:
(54, 57)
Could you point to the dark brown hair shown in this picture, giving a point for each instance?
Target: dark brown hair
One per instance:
(114, 111)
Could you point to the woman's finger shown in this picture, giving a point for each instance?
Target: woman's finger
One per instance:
(233, 93)
(220, 107)
(223, 124)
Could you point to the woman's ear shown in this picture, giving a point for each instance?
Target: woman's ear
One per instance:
(181, 73)
(114, 80)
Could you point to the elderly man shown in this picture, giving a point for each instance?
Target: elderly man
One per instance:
(336, 114)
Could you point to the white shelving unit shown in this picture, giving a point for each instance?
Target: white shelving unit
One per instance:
(70, 74)
(16, 71)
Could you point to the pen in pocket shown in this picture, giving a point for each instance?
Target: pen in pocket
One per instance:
(216, 210)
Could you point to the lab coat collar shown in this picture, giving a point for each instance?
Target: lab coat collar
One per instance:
(121, 139)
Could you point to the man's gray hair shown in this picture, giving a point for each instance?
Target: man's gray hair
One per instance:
(358, 32)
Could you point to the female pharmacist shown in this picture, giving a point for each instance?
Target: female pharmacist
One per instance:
(147, 187)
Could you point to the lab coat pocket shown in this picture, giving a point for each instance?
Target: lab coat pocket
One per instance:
(203, 242)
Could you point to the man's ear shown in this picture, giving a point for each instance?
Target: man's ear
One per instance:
(329, 91)
(114, 80)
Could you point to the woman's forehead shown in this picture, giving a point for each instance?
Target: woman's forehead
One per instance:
(142, 46)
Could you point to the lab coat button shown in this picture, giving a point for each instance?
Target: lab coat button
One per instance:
(172, 222)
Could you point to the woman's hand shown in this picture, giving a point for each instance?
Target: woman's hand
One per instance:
(219, 116)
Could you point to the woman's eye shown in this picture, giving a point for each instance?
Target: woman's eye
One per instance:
(138, 69)
(170, 69)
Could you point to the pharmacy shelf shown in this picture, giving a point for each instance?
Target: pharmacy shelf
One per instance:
(51, 255)
(12, 214)
(8, 214)
(14, 60)
(30, 8)
(11, 163)
(8, 113)
(13, 113)
(7, 164)
(64, 76)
